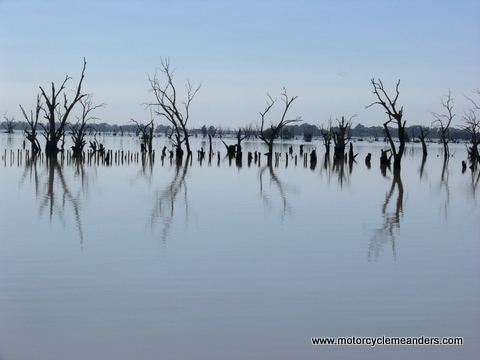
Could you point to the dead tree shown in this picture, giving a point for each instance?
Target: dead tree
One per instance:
(444, 121)
(8, 123)
(268, 134)
(146, 135)
(168, 105)
(351, 154)
(32, 121)
(249, 131)
(230, 149)
(326, 132)
(79, 129)
(341, 137)
(423, 134)
(240, 138)
(473, 128)
(394, 116)
(58, 111)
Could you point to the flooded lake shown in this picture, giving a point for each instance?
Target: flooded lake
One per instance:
(219, 260)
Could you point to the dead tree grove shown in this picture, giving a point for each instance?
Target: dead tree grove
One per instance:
(79, 129)
(57, 111)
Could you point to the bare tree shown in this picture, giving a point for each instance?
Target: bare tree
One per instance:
(341, 137)
(394, 115)
(168, 105)
(444, 121)
(326, 132)
(423, 135)
(146, 135)
(79, 129)
(473, 128)
(240, 138)
(268, 134)
(32, 121)
(57, 112)
(250, 131)
(8, 123)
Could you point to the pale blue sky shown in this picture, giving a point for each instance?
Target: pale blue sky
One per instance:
(325, 52)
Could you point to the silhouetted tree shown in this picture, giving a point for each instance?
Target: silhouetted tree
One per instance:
(32, 121)
(146, 135)
(268, 134)
(326, 132)
(341, 137)
(444, 121)
(168, 105)
(395, 116)
(473, 128)
(79, 129)
(58, 111)
(423, 134)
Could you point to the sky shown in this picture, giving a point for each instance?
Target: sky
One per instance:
(324, 52)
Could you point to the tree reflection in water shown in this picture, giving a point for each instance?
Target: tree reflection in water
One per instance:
(164, 207)
(52, 188)
(274, 179)
(338, 169)
(421, 170)
(444, 186)
(391, 219)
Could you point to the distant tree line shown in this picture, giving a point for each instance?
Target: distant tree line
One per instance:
(305, 131)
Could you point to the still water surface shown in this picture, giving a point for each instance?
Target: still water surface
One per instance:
(217, 261)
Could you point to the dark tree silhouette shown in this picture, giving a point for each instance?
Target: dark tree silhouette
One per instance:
(341, 137)
(444, 121)
(268, 134)
(32, 121)
(58, 111)
(473, 128)
(394, 115)
(146, 135)
(326, 132)
(423, 135)
(79, 129)
(168, 105)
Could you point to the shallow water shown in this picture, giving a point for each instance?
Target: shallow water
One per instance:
(217, 261)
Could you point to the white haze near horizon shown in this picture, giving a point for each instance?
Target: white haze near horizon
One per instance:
(324, 52)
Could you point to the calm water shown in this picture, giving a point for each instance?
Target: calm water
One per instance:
(217, 261)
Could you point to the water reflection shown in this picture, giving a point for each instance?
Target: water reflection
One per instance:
(444, 186)
(52, 187)
(341, 169)
(421, 170)
(165, 199)
(475, 175)
(385, 235)
(286, 208)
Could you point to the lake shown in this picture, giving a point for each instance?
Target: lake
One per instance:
(219, 260)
